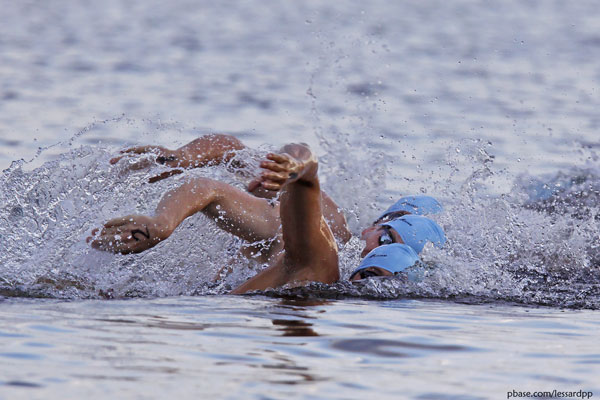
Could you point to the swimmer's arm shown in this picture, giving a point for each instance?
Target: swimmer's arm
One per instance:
(233, 210)
(206, 150)
(336, 218)
(310, 251)
(331, 211)
(221, 148)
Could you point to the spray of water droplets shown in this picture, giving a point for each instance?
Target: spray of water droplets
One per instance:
(536, 244)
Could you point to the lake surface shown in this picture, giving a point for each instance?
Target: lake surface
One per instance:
(252, 347)
(491, 108)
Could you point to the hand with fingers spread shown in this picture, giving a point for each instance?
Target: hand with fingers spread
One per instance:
(130, 234)
(283, 168)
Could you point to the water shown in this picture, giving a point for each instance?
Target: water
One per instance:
(491, 108)
(232, 347)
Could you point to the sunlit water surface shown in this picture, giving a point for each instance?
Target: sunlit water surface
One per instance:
(492, 108)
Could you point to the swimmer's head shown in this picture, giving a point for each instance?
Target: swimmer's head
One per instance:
(416, 231)
(417, 205)
(413, 230)
(385, 260)
(379, 235)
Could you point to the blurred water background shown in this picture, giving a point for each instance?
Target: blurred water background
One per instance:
(491, 107)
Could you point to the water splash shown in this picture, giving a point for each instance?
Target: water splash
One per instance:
(47, 213)
(517, 246)
(528, 245)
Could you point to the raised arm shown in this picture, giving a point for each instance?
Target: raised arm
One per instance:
(310, 251)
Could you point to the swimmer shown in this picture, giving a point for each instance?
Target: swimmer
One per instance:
(252, 216)
(405, 222)
(281, 227)
(216, 149)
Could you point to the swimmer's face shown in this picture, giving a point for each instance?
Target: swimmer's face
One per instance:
(378, 235)
(369, 272)
(390, 216)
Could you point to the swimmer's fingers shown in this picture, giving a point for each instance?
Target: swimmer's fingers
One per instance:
(282, 163)
(163, 156)
(274, 186)
(125, 242)
(273, 166)
(128, 222)
(141, 149)
(278, 169)
(130, 234)
(113, 244)
(115, 222)
(278, 158)
(274, 180)
(115, 160)
(278, 177)
(134, 165)
(136, 150)
(254, 184)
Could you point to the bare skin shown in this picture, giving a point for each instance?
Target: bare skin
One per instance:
(248, 215)
(233, 210)
(206, 150)
(304, 251)
(373, 236)
(216, 149)
(368, 272)
(310, 252)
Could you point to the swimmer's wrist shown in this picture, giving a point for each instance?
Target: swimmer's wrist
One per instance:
(163, 226)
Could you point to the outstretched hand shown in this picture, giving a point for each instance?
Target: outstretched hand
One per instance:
(130, 234)
(280, 170)
(163, 156)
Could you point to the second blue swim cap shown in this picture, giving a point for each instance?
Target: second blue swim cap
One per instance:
(395, 257)
(418, 205)
(416, 230)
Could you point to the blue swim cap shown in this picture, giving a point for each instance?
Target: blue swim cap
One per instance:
(418, 205)
(395, 257)
(416, 230)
